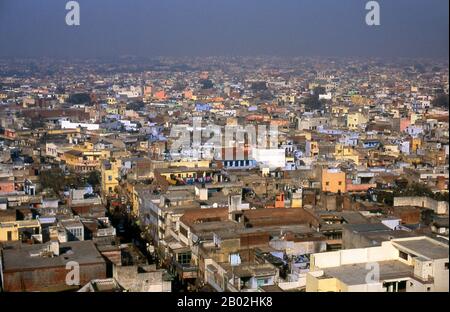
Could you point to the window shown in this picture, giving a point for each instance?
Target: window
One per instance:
(184, 258)
(9, 234)
(327, 183)
(262, 282)
(183, 231)
(109, 178)
(340, 182)
(403, 255)
(446, 266)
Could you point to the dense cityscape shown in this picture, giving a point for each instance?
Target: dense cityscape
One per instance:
(224, 174)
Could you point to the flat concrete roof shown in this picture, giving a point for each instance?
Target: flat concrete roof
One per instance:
(425, 247)
(248, 269)
(367, 228)
(24, 257)
(355, 274)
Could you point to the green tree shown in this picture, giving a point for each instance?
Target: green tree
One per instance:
(206, 83)
(136, 106)
(80, 98)
(441, 101)
(259, 86)
(94, 178)
(53, 179)
(74, 180)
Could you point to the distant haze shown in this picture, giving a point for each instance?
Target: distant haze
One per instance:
(409, 28)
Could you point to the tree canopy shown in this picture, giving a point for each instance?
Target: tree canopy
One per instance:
(79, 98)
(441, 101)
(56, 180)
(94, 178)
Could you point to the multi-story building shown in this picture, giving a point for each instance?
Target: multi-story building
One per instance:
(19, 230)
(333, 180)
(110, 176)
(417, 264)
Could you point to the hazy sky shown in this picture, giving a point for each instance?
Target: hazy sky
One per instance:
(409, 28)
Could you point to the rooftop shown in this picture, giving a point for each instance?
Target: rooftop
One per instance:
(27, 258)
(356, 274)
(425, 247)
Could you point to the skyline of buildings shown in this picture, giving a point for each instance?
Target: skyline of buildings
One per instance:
(224, 154)
(224, 174)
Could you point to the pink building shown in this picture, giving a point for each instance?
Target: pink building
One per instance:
(404, 123)
(6, 186)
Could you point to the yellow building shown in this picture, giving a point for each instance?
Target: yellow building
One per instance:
(132, 191)
(19, 230)
(232, 121)
(143, 145)
(244, 103)
(112, 110)
(316, 282)
(346, 153)
(307, 135)
(84, 158)
(354, 120)
(174, 175)
(110, 176)
(312, 148)
(416, 143)
(392, 150)
(360, 100)
(414, 117)
(190, 164)
(288, 98)
(297, 199)
(111, 101)
(339, 110)
(333, 180)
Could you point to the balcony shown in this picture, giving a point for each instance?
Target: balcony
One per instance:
(186, 271)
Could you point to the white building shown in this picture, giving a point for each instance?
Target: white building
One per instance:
(67, 124)
(272, 158)
(417, 264)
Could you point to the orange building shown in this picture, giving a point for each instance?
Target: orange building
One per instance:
(7, 185)
(279, 200)
(160, 95)
(188, 94)
(404, 123)
(333, 180)
(279, 122)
